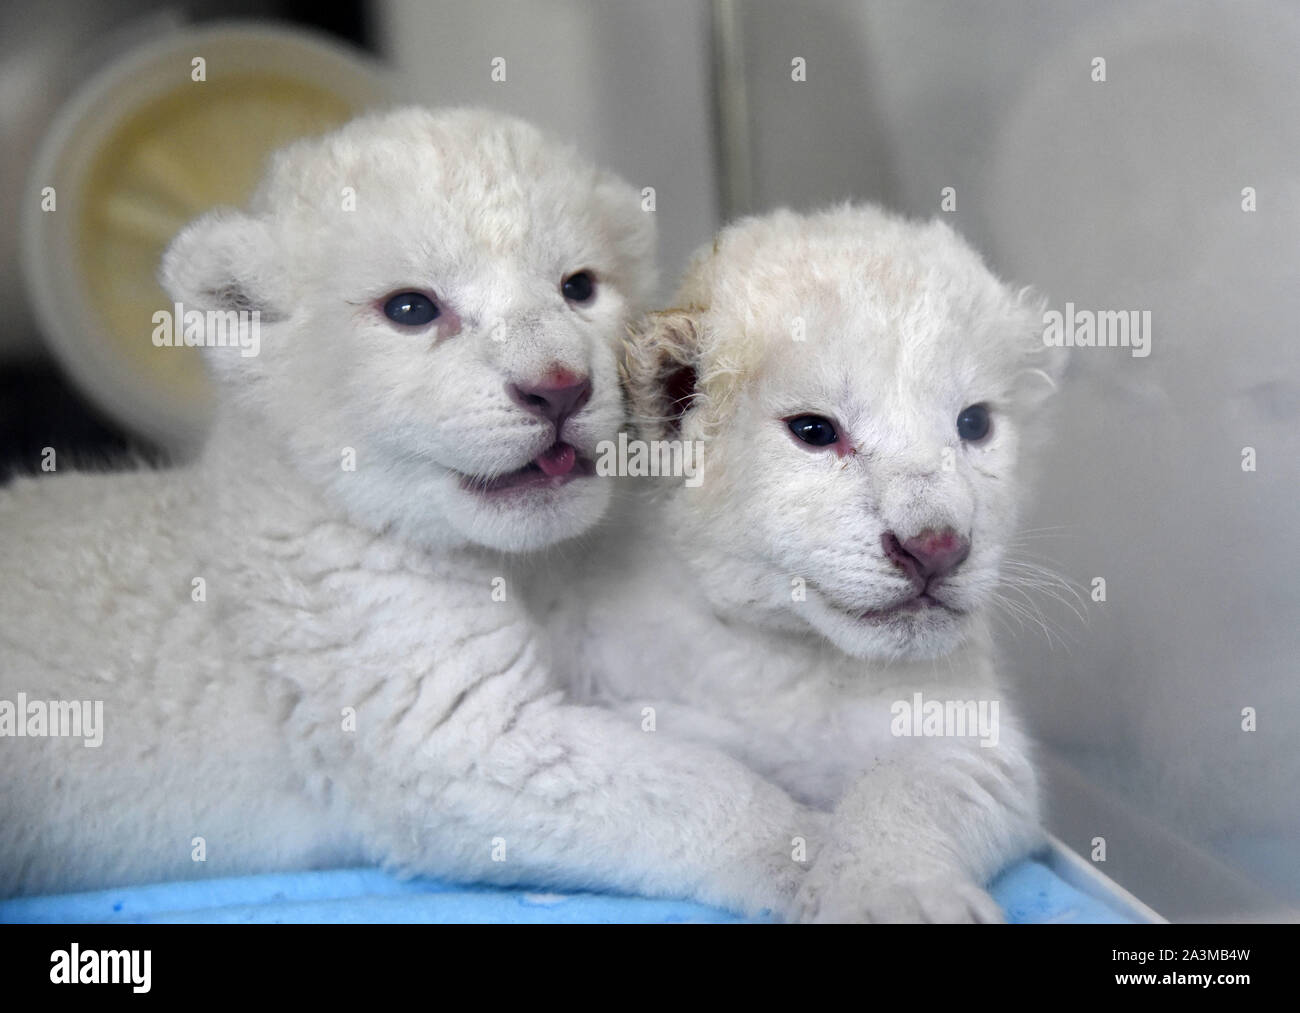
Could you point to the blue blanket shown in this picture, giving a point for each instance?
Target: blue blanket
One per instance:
(1028, 891)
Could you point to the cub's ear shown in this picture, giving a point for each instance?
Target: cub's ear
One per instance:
(225, 260)
(660, 369)
(1044, 365)
(630, 225)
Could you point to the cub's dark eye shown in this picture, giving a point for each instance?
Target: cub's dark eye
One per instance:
(579, 287)
(813, 430)
(410, 309)
(973, 423)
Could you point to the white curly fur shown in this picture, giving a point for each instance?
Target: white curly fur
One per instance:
(376, 591)
(740, 613)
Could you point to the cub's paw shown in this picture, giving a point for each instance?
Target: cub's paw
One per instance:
(763, 873)
(765, 885)
(938, 896)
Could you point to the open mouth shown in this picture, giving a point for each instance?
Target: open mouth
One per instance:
(557, 465)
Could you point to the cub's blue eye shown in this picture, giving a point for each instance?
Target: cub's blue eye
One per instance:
(410, 309)
(814, 430)
(579, 287)
(973, 423)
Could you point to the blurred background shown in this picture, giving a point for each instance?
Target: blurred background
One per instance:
(1165, 178)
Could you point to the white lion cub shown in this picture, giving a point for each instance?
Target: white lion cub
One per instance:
(308, 645)
(813, 600)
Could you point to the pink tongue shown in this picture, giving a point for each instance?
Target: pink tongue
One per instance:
(558, 460)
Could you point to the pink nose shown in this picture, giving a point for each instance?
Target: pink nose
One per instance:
(929, 554)
(555, 399)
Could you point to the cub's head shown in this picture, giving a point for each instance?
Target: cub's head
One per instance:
(862, 385)
(439, 294)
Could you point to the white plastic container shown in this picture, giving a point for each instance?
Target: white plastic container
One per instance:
(178, 125)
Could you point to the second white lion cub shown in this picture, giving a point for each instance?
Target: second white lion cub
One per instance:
(815, 600)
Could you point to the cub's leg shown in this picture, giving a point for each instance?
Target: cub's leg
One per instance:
(920, 833)
(476, 768)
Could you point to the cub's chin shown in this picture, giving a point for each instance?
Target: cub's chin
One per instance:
(921, 631)
(531, 514)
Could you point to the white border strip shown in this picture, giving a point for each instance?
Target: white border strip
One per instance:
(1087, 878)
